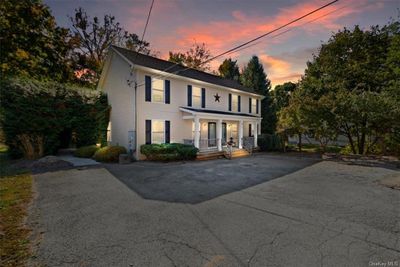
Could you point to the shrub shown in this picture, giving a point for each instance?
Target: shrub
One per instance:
(86, 151)
(109, 153)
(270, 142)
(169, 152)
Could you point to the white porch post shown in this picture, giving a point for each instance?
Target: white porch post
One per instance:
(240, 134)
(219, 135)
(255, 133)
(197, 132)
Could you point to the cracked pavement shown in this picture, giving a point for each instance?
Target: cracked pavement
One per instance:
(327, 214)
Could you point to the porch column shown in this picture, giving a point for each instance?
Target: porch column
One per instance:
(240, 134)
(197, 132)
(219, 135)
(255, 133)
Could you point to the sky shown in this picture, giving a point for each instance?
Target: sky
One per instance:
(175, 25)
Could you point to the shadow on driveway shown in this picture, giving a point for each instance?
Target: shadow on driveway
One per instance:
(195, 182)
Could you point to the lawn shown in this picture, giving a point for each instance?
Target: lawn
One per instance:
(15, 196)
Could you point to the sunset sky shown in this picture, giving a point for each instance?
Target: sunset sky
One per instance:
(176, 24)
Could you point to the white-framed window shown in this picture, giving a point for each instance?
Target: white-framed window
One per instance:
(157, 90)
(196, 96)
(157, 132)
(253, 105)
(235, 103)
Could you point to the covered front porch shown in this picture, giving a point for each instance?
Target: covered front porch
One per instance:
(213, 131)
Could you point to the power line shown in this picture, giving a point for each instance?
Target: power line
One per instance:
(248, 42)
(272, 31)
(147, 20)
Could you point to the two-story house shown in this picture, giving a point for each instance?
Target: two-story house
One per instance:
(157, 101)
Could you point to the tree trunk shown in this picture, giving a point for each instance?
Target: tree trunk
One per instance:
(348, 133)
(299, 144)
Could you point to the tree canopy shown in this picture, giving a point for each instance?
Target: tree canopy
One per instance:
(31, 42)
(194, 58)
(351, 88)
(229, 69)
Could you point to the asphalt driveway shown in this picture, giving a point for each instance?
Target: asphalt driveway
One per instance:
(194, 182)
(326, 214)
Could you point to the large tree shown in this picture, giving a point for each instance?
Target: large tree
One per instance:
(281, 95)
(31, 42)
(93, 36)
(229, 69)
(254, 77)
(348, 84)
(196, 57)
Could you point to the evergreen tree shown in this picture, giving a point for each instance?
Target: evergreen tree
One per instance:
(254, 77)
(229, 69)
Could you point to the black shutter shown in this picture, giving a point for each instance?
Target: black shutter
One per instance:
(167, 132)
(230, 102)
(257, 105)
(148, 131)
(249, 104)
(203, 97)
(250, 133)
(238, 103)
(167, 92)
(148, 88)
(189, 95)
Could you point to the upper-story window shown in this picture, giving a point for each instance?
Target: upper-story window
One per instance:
(235, 103)
(196, 96)
(254, 105)
(157, 90)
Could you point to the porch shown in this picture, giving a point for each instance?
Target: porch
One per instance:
(212, 132)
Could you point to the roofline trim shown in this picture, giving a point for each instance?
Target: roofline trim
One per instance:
(183, 77)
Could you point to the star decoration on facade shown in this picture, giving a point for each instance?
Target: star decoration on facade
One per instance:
(217, 97)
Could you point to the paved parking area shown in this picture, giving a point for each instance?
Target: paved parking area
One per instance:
(194, 182)
(326, 214)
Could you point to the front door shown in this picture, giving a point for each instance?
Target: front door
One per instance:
(212, 134)
(223, 133)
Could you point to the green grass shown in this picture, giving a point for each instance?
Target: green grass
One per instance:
(15, 196)
(311, 148)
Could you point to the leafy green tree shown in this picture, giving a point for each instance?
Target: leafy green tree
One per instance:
(93, 36)
(229, 69)
(348, 82)
(253, 76)
(31, 42)
(194, 58)
(281, 95)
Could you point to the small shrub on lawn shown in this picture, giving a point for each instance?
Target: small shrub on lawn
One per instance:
(86, 151)
(109, 153)
(169, 152)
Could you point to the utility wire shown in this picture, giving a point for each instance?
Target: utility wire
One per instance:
(248, 42)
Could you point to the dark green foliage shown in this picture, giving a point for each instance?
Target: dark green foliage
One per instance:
(86, 151)
(254, 77)
(168, 152)
(35, 114)
(31, 43)
(229, 69)
(109, 153)
(270, 142)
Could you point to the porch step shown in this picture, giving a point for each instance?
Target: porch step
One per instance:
(210, 155)
(237, 153)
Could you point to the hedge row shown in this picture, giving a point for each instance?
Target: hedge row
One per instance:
(270, 142)
(36, 117)
(169, 152)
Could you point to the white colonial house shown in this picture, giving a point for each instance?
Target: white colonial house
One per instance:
(156, 101)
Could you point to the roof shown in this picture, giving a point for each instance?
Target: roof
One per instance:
(177, 69)
(219, 112)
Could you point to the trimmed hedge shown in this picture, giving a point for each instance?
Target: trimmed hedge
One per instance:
(37, 118)
(270, 142)
(109, 153)
(169, 152)
(86, 151)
